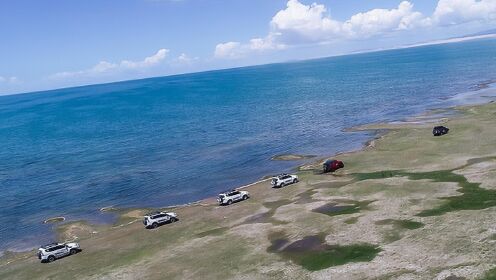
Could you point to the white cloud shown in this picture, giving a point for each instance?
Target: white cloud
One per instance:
(185, 59)
(299, 23)
(378, 21)
(312, 22)
(450, 12)
(8, 80)
(234, 50)
(228, 50)
(147, 62)
(108, 68)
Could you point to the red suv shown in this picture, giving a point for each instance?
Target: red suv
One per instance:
(332, 165)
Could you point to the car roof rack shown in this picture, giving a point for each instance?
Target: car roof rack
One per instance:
(153, 213)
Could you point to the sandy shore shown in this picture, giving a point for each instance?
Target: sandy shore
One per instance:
(407, 206)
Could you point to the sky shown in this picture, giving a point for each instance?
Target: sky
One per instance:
(52, 44)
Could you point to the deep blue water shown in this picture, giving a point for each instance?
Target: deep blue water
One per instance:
(172, 140)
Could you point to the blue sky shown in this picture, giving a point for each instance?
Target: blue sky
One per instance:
(54, 43)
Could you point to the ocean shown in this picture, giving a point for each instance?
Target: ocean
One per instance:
(172, 140)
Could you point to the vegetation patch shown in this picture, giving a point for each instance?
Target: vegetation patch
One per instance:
(267, 217)
(472, 197)
(402, 224)
(312, 253)
(305, 197)
(212, 232)
(489, 275)
(352, 220)
(334, 209)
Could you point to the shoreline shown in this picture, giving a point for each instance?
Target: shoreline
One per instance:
(378, 130)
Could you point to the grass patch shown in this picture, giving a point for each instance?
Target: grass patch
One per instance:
(472, 197)
(212, 232)
(312, 253)
(402, 224)
(351, 221)
(489, 275)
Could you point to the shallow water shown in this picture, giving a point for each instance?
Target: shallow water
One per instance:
(173, 140)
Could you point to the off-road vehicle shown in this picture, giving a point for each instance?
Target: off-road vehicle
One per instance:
(282, 180)
(53, 251)
(155, 219)
(228, 197)
(332, 165)
(440, 130)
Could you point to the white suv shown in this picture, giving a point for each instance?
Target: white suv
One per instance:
(50, 252)
(283, 180)
(153, 220)
(227, 198)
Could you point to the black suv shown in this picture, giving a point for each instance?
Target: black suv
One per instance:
(440, 130)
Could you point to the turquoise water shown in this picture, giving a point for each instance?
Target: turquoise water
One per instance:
(172, 140)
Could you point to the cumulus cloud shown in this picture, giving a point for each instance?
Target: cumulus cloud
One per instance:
(105, 67)
(233, 50)
(299, 23)
(228, 50)
(451, 12)
(312, 22)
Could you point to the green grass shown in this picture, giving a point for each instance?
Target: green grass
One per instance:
(312, 252)
(351, 221)
(212, 232)
(489, 275)
(472, 197)
(408, 224)
(336, 255)
(401, 224)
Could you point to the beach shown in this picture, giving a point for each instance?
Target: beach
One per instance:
(406, 206)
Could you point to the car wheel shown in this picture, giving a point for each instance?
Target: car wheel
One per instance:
(73, 251)
(229, 202)
(281, 185)
(154, 225)
(51, 258)
(245, 197)
(173, 220)
(295, 181)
